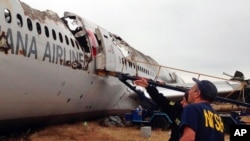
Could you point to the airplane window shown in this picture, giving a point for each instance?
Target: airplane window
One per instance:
(46, 31)
(38, 28)
(106, 36)
(29, 24)
(7, 15)
(98, 41)
(67, 40)
(72, 42)
(60, 37)
(77, 44)
(54, 34)
(122, 61)
(19, 20)
(125, 62)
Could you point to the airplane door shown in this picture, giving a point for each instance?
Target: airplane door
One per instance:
(108, 58)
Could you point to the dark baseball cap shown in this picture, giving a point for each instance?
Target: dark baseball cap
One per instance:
(208, 89)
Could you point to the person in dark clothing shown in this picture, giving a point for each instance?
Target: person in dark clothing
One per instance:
(199, 121)
(171, 108)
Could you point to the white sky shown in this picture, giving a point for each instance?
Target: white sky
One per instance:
(205, 36)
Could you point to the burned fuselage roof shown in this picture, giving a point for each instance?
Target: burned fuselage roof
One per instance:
(40, 15)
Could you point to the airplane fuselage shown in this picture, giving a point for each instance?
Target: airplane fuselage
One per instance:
(50, 72)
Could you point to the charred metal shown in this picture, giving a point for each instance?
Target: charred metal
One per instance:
(4, 45)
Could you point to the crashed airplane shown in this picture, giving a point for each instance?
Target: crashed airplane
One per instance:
(57, 69)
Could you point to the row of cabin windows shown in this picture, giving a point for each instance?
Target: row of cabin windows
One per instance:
(137, 67)
(8, 19)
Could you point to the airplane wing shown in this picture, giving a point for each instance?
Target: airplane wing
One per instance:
(176, 91)
(224, 88)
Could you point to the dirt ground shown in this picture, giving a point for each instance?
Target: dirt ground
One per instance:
(89, 131)
(93, 131)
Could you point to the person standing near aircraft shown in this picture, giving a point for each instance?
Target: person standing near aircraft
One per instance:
(173, 109)
(199, 121)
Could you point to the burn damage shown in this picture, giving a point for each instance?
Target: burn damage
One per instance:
(39, 15)
(80, 35)
(4, 45)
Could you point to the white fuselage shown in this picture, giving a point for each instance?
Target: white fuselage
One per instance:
(46, 71)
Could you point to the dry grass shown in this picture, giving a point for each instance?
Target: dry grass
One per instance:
(93, 131)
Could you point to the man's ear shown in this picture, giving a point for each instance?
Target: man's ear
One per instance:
(198, 93)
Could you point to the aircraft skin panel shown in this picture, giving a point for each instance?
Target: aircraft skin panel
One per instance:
(110, 58)
(68, 94)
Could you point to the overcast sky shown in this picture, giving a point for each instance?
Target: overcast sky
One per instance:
(204, 36)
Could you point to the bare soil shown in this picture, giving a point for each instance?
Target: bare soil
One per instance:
(90, 131)
(93, 131)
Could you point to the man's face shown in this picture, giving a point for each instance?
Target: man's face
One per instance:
(193, 93)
